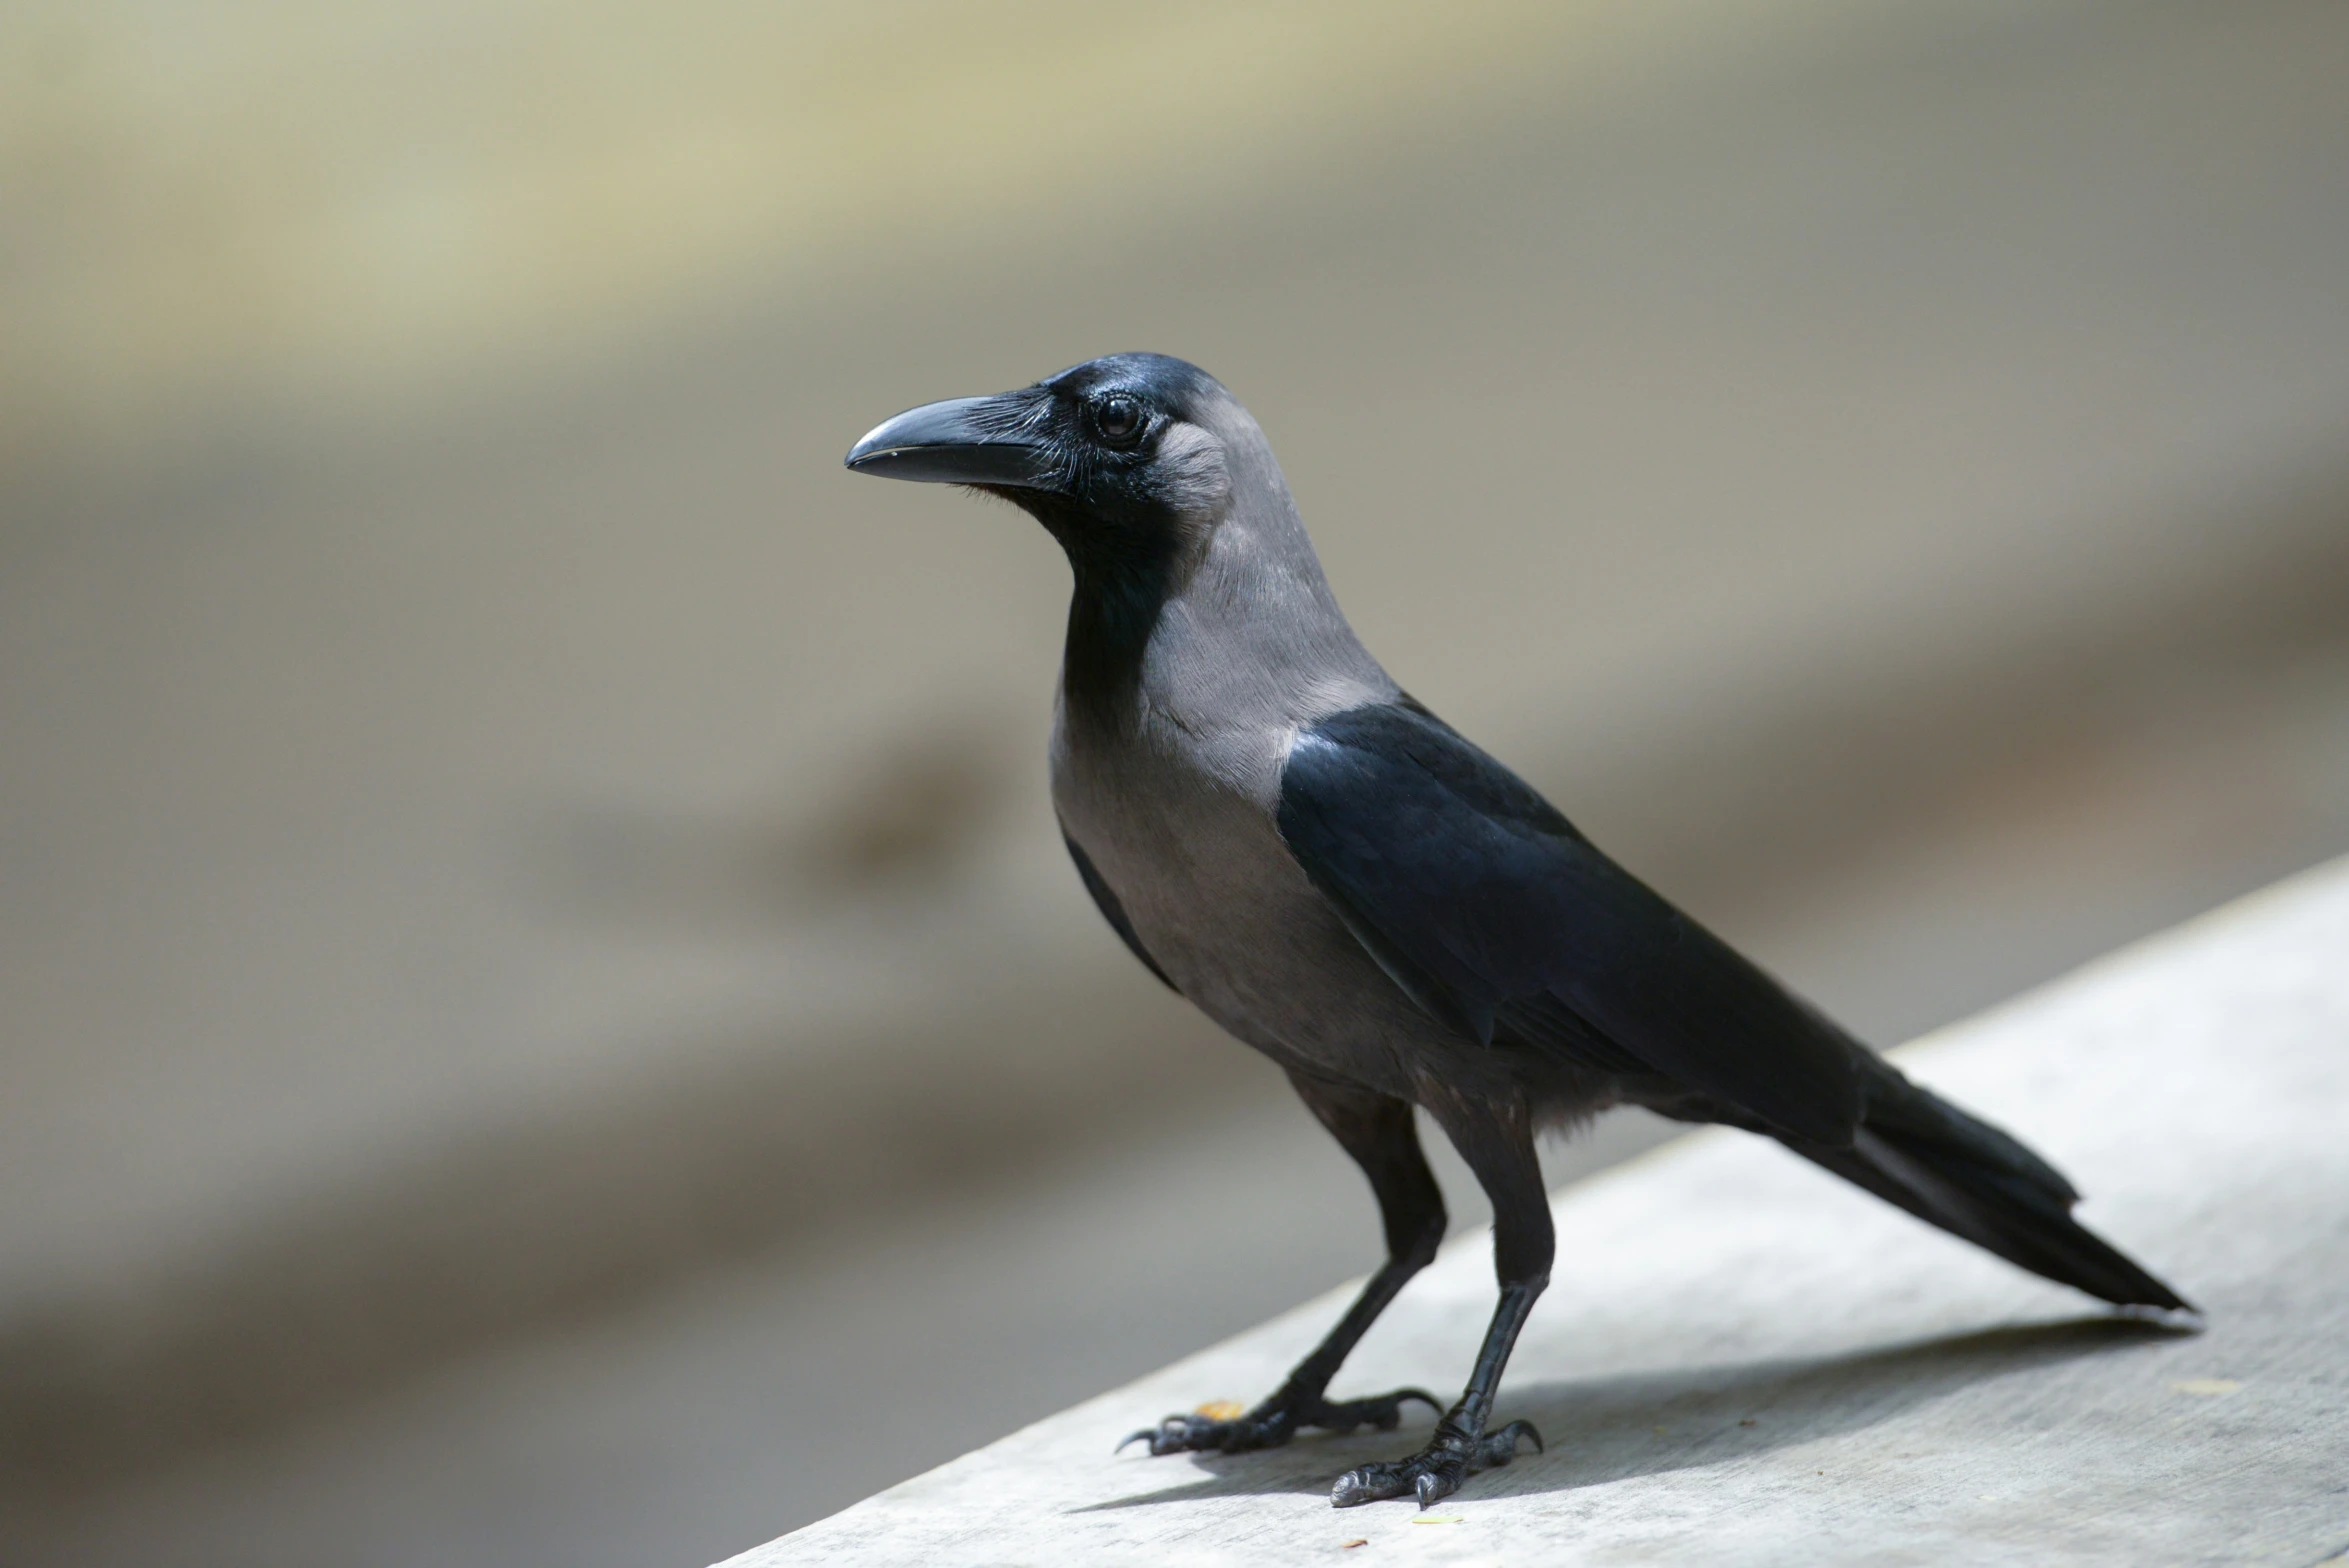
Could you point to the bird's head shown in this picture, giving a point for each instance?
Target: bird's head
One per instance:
(1123, 458)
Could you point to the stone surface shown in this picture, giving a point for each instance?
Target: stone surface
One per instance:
(1742, 1361)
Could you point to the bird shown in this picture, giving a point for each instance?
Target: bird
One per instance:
(1306, 853)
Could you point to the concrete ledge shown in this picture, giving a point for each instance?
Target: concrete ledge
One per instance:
(1742, 1361)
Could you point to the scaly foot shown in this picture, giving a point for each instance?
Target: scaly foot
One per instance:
(1437, 1470)
(1273, 1423)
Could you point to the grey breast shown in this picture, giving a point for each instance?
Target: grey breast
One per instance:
(1174, 800)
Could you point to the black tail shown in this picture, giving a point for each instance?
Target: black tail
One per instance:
(1972, 1180)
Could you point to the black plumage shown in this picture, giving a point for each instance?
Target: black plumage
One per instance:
(1485, 906)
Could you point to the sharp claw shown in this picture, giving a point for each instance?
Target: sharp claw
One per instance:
(1366, 1485)
(1436, 1471)
(1384, 1412)
(1273, 1424)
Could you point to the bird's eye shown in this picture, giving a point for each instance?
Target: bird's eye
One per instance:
(1119, 418)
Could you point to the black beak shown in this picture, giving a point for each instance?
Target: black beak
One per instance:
(963, 441)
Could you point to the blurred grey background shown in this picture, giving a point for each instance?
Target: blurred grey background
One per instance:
(542, 1016)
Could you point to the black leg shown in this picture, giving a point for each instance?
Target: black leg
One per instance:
(1497, 1143)
(1379, 1133)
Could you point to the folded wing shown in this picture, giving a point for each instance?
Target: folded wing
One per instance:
(1492, 913)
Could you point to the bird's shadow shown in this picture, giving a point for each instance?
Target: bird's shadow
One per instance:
(1611, 1429)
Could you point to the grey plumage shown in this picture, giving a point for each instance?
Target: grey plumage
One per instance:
(1340, 880)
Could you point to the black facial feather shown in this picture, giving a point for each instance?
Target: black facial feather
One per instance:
(1115, 509)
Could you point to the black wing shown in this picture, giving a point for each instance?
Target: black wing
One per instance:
(1492, 912)
(1113, 911)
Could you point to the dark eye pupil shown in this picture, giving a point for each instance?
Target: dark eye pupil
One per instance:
(1118, 417)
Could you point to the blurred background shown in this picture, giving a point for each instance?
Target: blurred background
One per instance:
(542, 1015)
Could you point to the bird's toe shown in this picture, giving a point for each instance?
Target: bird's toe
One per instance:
(1383, 1411)
(1437, 1470)
(1500, 1447)
(1371, 1483)
(1210, 1430)
(1183, 1434)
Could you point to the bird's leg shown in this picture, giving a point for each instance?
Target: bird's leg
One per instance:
(1378, 1131)
(1498, 1145)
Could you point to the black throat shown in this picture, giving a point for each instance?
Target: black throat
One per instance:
(1125, 568)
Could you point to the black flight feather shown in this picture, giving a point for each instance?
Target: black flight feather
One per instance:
(1489, 910)
(1492, 912)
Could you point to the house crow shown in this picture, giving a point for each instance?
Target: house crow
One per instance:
(1281, 834)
